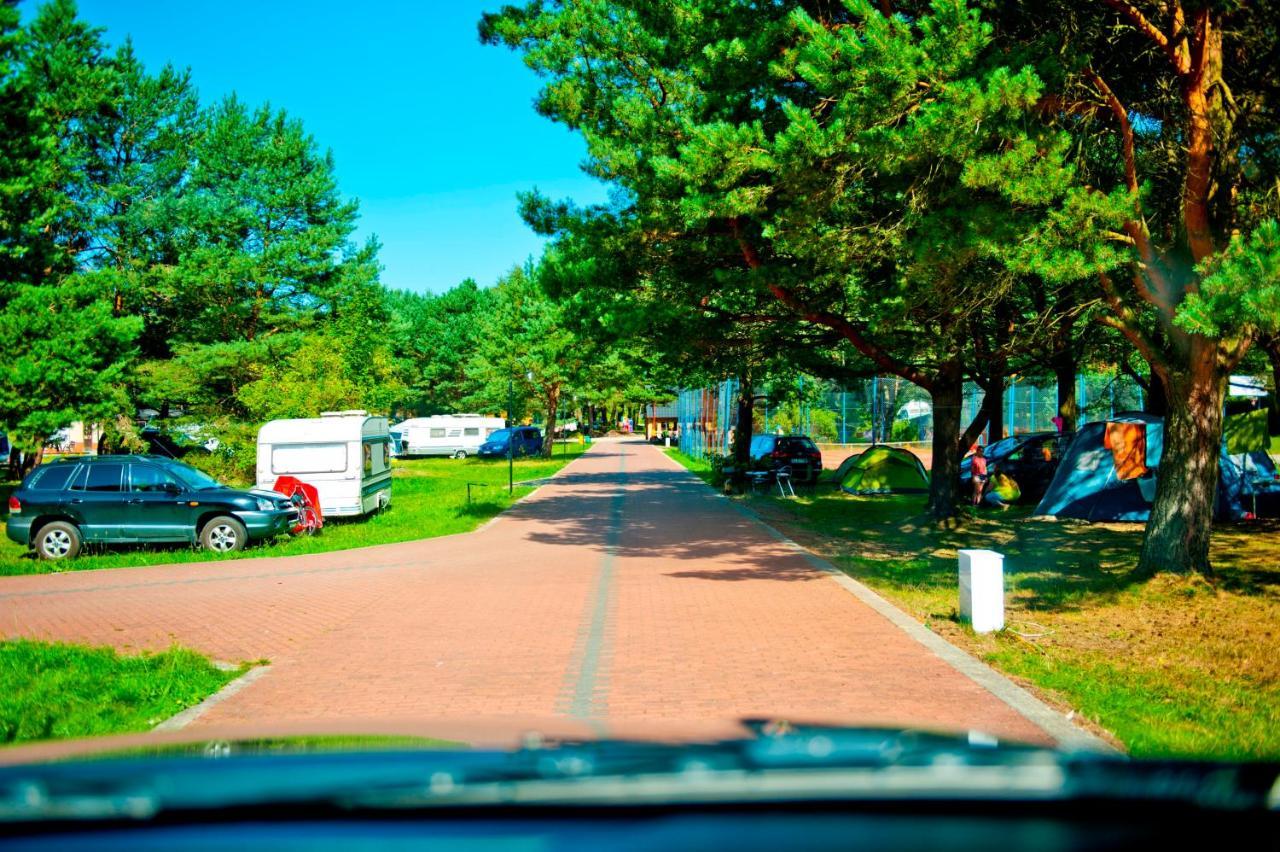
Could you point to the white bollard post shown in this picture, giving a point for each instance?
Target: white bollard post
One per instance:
(982, 589)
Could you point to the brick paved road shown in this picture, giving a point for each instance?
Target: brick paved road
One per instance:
(621, 593)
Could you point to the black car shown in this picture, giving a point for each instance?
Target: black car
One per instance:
(1031, 460)
(62, 505)
(797, 452)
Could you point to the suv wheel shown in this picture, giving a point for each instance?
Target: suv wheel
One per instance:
(58, 540)
(223, 534)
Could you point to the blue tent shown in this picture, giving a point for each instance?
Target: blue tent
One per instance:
(1085, 485)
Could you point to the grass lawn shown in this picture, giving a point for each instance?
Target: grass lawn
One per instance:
(1170, 666)
(429, 498)
(54, 691)
(698, 467)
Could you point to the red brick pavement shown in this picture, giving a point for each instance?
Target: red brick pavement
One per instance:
(622, 593)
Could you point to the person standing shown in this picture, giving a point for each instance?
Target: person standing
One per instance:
(978, 471)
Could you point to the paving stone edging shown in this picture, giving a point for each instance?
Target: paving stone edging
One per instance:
(1068, 735)
(180, 720)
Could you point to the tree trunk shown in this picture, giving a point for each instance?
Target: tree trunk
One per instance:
(29, 462)
(1156, 400)
(947, 395)
(993, 402)
(742, 429)
(553, 404)
(975, 428)
(1065, 369)
(1177, 536)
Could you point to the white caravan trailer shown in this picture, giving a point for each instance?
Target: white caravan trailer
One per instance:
(346, 455)
(457, 435)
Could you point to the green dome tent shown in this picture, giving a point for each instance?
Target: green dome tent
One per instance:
(883, 470)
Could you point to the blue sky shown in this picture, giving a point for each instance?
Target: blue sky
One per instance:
(432, 132)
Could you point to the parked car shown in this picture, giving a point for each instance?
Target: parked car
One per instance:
(521, 440)
(797, 452)
(67, 503)
(1031, 460)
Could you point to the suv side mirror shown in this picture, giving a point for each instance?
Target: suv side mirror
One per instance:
(171, 488)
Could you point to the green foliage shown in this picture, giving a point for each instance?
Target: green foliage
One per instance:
(320, 375)
(436, 337)
(65, 348)
(65, 354)
(793, 419)
(904, 431)
(1240, 286)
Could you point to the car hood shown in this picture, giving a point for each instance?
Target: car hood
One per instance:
(251, 495)
(763, 761)
(491, 732)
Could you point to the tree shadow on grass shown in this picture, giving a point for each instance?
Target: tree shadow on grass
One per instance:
(1056, 565)
(1048, 565)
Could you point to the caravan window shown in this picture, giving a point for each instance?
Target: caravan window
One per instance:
(437, 433)
(471, 431)
(309, 458)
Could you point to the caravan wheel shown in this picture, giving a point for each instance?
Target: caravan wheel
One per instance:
(460, 454)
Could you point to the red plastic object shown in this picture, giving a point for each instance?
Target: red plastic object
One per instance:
(14, 505)
(307, 499)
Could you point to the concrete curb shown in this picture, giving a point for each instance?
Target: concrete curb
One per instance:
(1068, 735)
(186, 717)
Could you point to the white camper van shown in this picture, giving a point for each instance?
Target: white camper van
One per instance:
(457, 435)
(346, 455)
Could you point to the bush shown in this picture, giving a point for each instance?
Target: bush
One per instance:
(235, 459)
(904, 431)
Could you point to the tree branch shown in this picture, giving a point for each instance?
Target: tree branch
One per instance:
(854, 333)
(1126, 129)
(1139, 22)
(1122, 319)
(980, 421)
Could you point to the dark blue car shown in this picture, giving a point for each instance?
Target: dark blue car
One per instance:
(521, 440)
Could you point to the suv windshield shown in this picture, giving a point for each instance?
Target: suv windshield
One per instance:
(500, 435)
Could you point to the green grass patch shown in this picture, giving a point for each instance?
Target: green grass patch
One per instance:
(54, 691)
(1171, 666)
(700, 468)
(1153, 714)
(428, 499)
